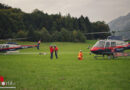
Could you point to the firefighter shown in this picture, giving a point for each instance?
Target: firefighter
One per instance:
(51, 51)
(56, 51)
(80, 55)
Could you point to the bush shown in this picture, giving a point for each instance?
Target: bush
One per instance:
(44, 34)
(78, 36)
(66, 36)
(21, 34)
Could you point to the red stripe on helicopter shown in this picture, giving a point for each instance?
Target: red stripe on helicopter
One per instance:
(97, 48)
(17, 47)
(10, 48)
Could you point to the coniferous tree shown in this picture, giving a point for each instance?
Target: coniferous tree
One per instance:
(12, 20)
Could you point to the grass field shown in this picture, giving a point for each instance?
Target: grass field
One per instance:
(38, 72)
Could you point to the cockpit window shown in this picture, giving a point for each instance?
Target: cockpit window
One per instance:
(113, 44)
(107, 44)
(99, 44)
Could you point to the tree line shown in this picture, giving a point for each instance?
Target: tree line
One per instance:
(14, 23)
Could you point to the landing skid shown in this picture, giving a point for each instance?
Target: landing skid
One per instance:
(104, 57)
(12, 52)
(9, 52)
(25, 53)
(112, 56)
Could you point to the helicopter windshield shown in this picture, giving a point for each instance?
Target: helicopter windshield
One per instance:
(99, 44)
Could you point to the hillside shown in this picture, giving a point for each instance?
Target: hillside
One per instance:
(121, 23)
(14, 23)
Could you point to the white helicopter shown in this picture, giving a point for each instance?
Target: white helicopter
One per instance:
(12, 46)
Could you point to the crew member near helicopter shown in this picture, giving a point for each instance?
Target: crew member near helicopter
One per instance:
(38, 44)
(56, 51)
(51, 52)
(80, 55)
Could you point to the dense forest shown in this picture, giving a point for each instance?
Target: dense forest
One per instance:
(14, 23)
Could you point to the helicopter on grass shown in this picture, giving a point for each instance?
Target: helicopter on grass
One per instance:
(13, 46)
(110, 45)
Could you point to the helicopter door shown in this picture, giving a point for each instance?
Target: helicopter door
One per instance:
(107, 47)
(113, 44)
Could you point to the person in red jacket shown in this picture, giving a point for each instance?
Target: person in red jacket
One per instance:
(51, 51)
(56, 51)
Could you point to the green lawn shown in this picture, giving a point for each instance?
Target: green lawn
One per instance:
(39, 72)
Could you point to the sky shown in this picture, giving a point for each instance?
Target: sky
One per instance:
(95, 10)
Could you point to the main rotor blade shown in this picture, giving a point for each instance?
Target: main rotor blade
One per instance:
(97, 33)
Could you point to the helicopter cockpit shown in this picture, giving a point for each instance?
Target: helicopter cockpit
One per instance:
(105, 43)
(100, 43)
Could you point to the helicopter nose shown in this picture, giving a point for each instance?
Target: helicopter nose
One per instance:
(95, 50)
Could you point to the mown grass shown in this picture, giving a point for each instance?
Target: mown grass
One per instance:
(39, 72)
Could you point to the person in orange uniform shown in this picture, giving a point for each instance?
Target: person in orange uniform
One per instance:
(80, 55)
(56, 51)
(51, 51)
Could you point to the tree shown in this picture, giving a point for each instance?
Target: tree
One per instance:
(82, 24)
(54, 27)
(78, 36)
(56, 36)
(100, 27)
(65, 35)
(3, 6)
(81, 37)
(6, 26)
(21, 34)
(31, 34)
(13, 19)
(44, 35)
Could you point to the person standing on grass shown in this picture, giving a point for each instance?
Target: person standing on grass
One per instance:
(38, 44)
(56, 51)
(80, 55)
(51, 51)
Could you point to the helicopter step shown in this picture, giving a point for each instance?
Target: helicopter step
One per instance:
(110, 56)
(96, 57)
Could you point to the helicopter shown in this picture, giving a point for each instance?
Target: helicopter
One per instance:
(110, 45)
(13, 46)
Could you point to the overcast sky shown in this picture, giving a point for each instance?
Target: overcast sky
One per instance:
(96, 10)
